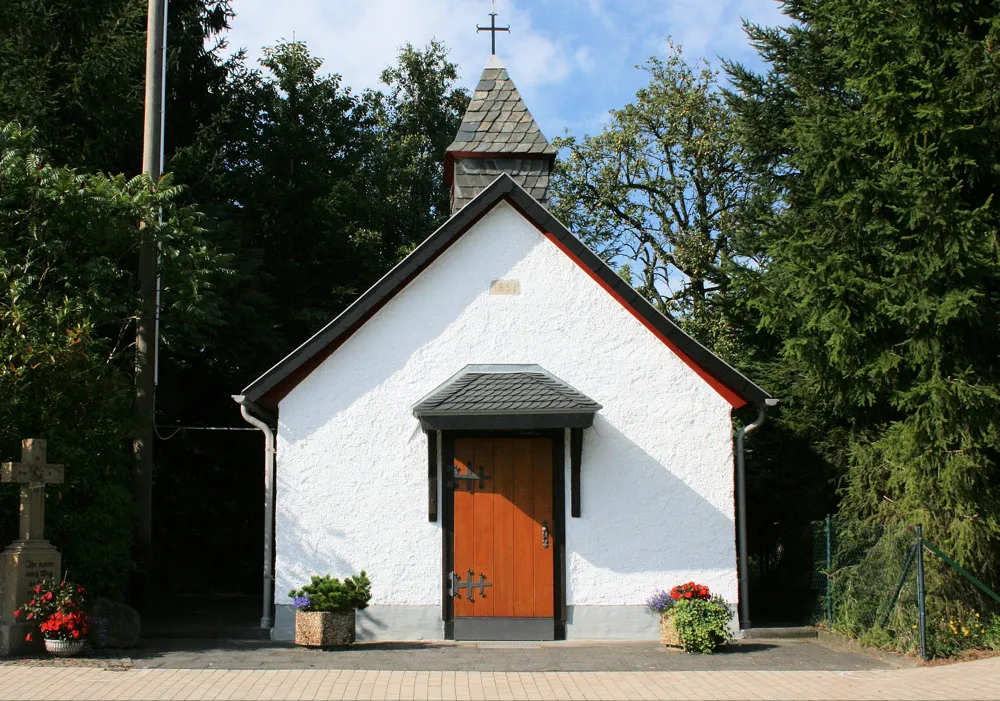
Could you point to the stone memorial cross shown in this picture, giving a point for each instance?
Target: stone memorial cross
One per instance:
(33, 473)
(31, 558)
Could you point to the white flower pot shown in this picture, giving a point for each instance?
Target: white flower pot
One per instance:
(64, 648)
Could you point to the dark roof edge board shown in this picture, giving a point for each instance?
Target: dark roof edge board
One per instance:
(504, 187)
(506, 422)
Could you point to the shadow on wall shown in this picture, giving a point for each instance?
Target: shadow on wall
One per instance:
(637, 516)
(294, 547)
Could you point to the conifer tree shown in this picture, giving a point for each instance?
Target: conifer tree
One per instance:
(877, 124)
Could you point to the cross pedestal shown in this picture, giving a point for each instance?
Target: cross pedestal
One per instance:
(30, 558)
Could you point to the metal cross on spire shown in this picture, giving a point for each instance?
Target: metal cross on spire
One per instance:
(493, 28)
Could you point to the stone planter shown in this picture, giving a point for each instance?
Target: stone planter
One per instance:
(323, 629)
(668, 632)
(64, 648)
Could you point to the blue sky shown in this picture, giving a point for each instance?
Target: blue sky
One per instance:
(572, 60)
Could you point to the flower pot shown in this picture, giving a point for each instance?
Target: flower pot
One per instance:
(324, 629)
(64, 648)
(668, 632)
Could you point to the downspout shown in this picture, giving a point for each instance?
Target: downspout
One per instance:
(266, 620)
(741, 510)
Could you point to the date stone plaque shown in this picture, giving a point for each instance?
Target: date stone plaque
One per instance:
(505, 287)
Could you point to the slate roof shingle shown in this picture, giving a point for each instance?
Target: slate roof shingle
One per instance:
(497, 120)
(473, 175)
(519, 389)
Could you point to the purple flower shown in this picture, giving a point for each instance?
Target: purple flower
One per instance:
(301, 602)
(658, 603)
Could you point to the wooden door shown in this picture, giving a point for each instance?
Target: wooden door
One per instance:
(503, 529)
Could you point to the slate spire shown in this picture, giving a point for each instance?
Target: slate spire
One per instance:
(497, 135)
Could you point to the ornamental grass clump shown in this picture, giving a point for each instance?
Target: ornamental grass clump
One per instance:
(330, 595)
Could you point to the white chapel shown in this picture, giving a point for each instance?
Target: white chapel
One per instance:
(508, 439)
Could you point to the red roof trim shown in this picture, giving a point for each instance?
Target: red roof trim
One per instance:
(734, 399)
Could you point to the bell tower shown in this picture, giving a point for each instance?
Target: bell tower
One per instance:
(497, 135)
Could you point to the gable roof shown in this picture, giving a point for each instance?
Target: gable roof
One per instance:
(269, 388)
(497, 121)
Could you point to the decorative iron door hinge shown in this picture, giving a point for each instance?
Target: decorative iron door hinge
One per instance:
(456, 585)
(470, 477)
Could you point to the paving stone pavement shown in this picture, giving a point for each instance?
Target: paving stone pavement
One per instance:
(773, 655)
(970, 680)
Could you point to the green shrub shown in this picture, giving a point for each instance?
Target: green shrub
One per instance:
(703, 626)
(960, 629)
(330, 595)
(991, 634)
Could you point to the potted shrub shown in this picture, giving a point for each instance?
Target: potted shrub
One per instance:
(57, 608)
(326, 609)
(691, 618)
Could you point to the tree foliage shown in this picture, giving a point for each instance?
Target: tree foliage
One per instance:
(75, 70)
(662, 193)
(413, 120)
(877, 125)
(68, 243)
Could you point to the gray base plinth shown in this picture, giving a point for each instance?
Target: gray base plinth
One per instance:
(13, 644)
(375, 623)
(611, 623)
(424, 623)
(484, 628)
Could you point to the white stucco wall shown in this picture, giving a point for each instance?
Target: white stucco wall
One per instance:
(657, 473)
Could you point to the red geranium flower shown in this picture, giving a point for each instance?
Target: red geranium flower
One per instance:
(690, 590)
(27, 638)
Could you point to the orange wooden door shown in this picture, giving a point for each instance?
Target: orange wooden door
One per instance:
(498, 527)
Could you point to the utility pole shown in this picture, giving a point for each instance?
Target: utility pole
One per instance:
(145, 331)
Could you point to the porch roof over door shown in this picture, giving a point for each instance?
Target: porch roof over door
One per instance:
(505, 397)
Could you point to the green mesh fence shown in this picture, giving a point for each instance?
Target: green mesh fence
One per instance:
(866, 583)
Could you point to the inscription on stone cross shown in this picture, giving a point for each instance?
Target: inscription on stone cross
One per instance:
(31, 558)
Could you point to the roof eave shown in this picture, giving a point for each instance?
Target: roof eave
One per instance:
(503, 188)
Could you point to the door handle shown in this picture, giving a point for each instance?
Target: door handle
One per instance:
(545, 534)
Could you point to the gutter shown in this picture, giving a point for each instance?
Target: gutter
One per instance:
(267, 618)
(741, 510)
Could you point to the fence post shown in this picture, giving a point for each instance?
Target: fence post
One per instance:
(829, 568)
(920, 592)
(902, 583)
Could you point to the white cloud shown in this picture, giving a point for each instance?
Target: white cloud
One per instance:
(572, 59)
(359, 39)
